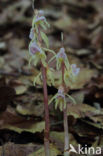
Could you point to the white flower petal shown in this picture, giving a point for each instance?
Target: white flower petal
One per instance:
(42, 18)
(31, 35)
(61, 93)
(75, 70)
(34, 48)
(61, 53)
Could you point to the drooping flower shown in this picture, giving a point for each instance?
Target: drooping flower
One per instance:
(38, 19)
(62, 57)
(60, 99)
(75, 70)
(60, 93)
(70, 75)
(61, 54)
(34, 48)
(37, 54)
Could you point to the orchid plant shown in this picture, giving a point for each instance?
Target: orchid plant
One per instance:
(38, 47)
(38, 55)
(68, 75)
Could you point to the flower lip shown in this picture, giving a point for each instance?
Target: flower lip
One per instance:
(75, 70)
(60, 96)
(41, 18)
(61, 93)
(61, 53)
(34, 48)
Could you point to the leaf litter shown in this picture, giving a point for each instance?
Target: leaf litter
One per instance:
(21, 104)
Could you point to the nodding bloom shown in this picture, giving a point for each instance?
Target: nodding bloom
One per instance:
(75, 70)
(60, 93)
(38, 19)
(70, 74)
(61, 54)
(31, 35)
(37, 54)
(60, 98)
(62, 57)
(34, 48)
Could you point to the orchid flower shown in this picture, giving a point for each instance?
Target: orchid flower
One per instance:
(62, 57)
(37, 53)
(60, 98)
(34, 48)
(70, 74)
(39, 19)
(75, 70)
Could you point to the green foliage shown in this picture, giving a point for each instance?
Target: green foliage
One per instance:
(45, 39)
(36, 78)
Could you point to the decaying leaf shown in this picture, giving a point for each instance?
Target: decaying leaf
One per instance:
(53, 151)
(83, 110)
(11, 149)
(12, 121)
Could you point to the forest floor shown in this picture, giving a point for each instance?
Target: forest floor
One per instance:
(21, 104)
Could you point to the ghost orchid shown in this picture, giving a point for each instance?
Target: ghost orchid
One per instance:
(75, 70)
(34, 48)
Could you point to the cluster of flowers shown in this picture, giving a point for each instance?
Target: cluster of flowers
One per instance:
(70, 73)
(35, 49)
(37, 54)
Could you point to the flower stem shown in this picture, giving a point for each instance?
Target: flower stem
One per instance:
(47, 127)
(66, 134)
(46, 107)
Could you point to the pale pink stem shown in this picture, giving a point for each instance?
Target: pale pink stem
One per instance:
(66, 134)
(47, 127)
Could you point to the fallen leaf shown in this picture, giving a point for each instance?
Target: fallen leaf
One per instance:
(53, 152)
(12, 121)
(11, 149)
